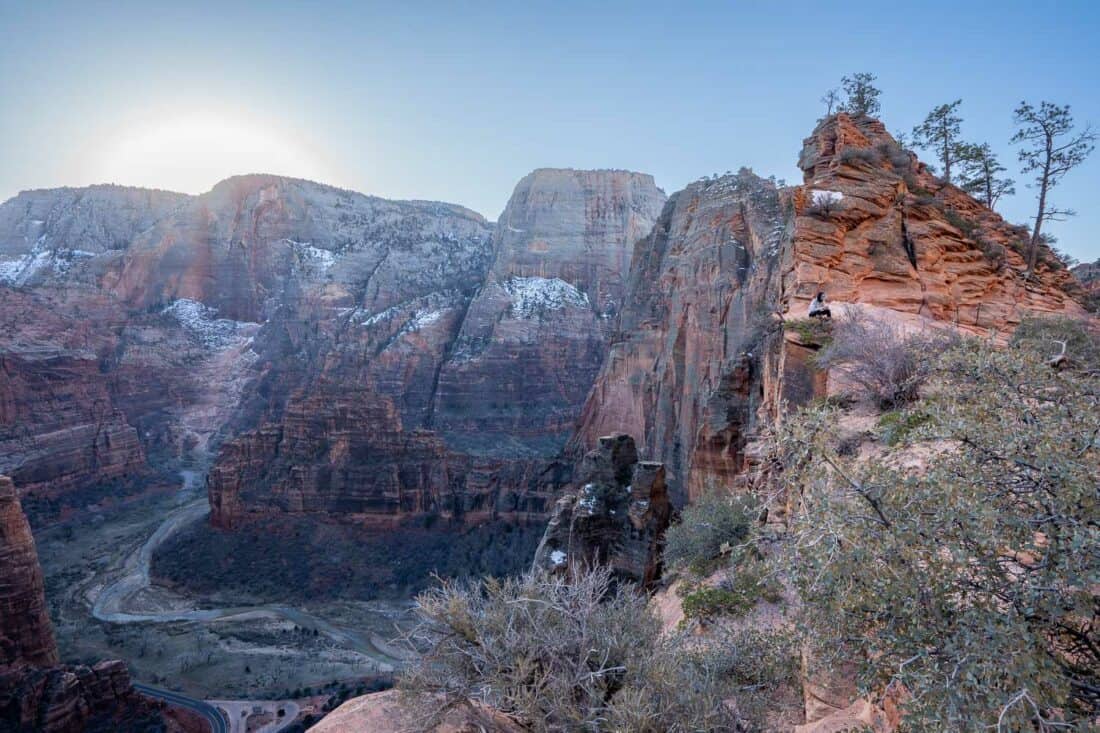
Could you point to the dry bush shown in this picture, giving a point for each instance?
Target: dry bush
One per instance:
(888, 364)
(562, 654)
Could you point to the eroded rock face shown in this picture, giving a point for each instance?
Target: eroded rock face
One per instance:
(26, 636)
(682, 376)
(875, 227)
(700, 364)
(54, 234)
(535, 336)
(444, 388)
(74, 699)
(616, 516)
(36, 693)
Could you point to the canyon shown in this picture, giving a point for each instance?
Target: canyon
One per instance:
(596, 358)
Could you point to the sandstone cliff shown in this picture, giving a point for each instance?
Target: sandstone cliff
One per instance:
(700, 363)
(681, 377)
(26, 636)
(36, 693)
(443, 369)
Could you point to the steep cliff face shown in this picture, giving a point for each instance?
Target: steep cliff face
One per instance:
(700, 363)
(36, 693)
(25, 633)
(682, 375)
(255, 243)
(536, 334)
(68, 233)
(442, 373)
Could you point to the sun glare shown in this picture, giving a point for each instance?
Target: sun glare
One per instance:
(192, 153)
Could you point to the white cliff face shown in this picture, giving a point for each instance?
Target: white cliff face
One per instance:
(536, 333)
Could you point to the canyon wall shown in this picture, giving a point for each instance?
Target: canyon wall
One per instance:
(446, 382)
(703, 361)
(36, 692)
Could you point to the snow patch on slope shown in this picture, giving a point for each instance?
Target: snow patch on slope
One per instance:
(307, 254)
(202, 322)
(40, 259)
(533, 295)
(824, 197)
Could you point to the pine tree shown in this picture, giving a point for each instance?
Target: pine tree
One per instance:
(979, 175)
(1053, 150)
(862, 94)
(940, 132)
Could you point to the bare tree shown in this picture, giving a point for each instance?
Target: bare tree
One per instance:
(1052, 149)
(831, 100)
(980, 171)
(940, 132)
(888, 364)
(562, 653)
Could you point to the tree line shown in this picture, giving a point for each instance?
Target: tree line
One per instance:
(1051, 145)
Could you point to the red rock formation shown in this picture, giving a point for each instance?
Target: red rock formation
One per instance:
(425, 399)
(886, 232)
(26, 636)
(682, 376)
(36, 693)
(698, 366)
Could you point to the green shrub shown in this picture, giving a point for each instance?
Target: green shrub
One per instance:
(811, 331)
(1045, 335)
(852, 156)
(897, 426)
(747, 585)
(968, 576)
(968, 227)
(709, 531)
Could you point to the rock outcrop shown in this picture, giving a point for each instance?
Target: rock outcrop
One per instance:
(26, 636)
(683, 374)
(615, 517)
(37, 694)
(385, 711)
(874, 226)
(700, 365)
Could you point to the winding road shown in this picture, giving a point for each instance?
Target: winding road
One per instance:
(206, 710)
(112, 603)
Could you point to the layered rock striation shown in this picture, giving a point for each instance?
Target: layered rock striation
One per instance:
(26, 636)
(36, 692)
(702, 361)
(682, 376)
(444, 387)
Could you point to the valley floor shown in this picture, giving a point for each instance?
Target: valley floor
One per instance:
(103, 606)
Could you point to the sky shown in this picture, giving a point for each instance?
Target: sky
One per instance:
(457, 101)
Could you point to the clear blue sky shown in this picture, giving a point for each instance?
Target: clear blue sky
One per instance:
(457, 101)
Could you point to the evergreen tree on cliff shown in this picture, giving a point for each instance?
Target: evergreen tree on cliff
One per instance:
(862, 94)
(1052, 148)
(979, 175)
(940, 132)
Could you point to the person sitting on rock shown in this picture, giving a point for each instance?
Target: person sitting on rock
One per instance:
(818, 309)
